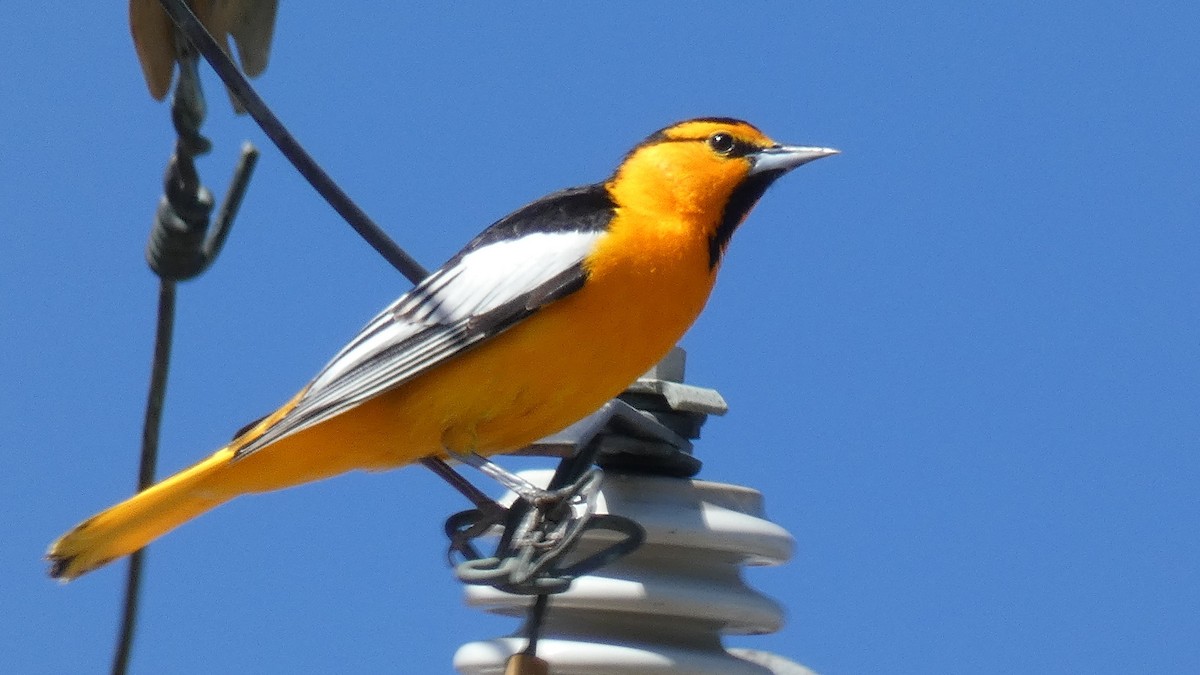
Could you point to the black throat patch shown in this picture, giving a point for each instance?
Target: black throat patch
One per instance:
(744, 197)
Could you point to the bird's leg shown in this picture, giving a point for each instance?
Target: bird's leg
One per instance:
(485, 504)
(522, 488)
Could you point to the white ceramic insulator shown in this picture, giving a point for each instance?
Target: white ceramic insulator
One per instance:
(663, 608)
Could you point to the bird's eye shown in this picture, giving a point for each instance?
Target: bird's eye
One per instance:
(722, 143)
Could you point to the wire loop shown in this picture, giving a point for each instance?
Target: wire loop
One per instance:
(534, 553)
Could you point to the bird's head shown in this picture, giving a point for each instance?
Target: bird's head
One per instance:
(709, 170)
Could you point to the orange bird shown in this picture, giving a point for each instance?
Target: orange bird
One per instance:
(538, 321)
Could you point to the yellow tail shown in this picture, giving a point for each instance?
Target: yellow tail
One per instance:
(139, 520)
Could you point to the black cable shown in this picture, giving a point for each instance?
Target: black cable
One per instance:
(180, 223)
(288, 145)
(533, 629)
(164, 329)
(187, 22)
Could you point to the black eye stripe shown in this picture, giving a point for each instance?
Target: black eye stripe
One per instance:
(740, 148)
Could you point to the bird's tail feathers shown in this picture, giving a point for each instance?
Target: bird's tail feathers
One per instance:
(135, 522)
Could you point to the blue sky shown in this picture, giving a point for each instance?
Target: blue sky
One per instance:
(963, 358)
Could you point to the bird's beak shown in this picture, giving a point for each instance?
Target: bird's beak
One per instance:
(785, 157)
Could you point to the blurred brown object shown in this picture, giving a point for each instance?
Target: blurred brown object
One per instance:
(251, 23)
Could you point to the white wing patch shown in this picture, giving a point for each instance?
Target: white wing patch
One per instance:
(434, 321)
(480, 281)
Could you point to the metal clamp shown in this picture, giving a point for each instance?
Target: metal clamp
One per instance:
(178, 248)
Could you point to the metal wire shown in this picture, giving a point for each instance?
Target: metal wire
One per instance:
(288, 145)
(203, 42)
(178, 249)
(164, 331)
(187, 22)
(195, 32)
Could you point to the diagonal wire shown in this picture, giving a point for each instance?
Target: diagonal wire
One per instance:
(187, 22)
(288, 145)
(341, 203)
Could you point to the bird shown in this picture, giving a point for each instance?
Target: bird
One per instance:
(538, 321)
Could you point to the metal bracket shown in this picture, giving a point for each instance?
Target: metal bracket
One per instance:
(178, 248)
(632, 439)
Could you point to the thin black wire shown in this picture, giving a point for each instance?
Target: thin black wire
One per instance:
(288, 145)
(187, 22)
(164, 330)
(534, 628)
